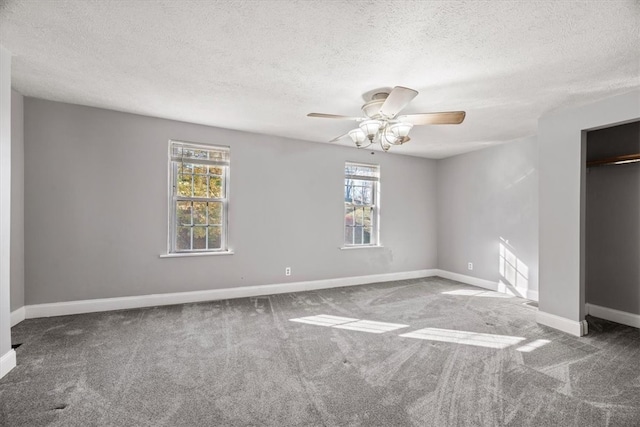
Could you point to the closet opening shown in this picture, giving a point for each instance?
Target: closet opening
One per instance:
(612, 224)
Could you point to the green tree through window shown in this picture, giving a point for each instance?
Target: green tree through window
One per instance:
(198, 211)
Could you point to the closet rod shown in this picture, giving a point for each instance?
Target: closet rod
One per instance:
(629, 158)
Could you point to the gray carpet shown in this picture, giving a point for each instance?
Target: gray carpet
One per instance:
(244, 363)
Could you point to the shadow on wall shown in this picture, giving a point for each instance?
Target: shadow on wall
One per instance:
(514, 274)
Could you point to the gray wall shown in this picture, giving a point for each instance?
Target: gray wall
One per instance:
(562, 201)
(613, 221)
(486, 198)
(96, 205)
(17, 200)
(5, 202)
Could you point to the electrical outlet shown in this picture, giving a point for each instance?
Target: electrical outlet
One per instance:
(287, 271)
(470, 266)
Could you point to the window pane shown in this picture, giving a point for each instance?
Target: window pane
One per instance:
(215, 237)
(361, 170)
(186, 168)
(176, 150)
(215, 170)
(358, 192)
(215, 213)
(200, 169)
(359, 215)
(183, 213)
(215, 187)
(200, 213)
(357, 195)
(183, 238)
(199, 237)
(367, 194)
(184, 185)
(219, 155)
(357, 235)
(367, 236)
(200, 186)
(368, 214)
(348, 235)
(348, 185)
(348, 216)
(186, 151)
(199, 154)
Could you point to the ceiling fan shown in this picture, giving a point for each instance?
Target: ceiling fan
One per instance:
(382, 124)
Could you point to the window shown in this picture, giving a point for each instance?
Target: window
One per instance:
(199, 197)
(361, 194)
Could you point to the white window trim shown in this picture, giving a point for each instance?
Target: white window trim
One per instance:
(172, 198)
(375, 235)
(190, 254)
(348, 248)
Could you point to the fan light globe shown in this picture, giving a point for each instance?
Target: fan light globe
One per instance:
(370, 128)
(357, 136)
(400, 130)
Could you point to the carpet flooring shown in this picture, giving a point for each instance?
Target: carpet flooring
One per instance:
(424, 352)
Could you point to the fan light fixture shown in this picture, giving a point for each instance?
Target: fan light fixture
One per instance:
(358, 137)
(400, 130)
(384, 132)
(382, 124)
(371, 128)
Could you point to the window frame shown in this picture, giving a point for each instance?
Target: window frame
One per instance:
(174, 197)
(374, 236)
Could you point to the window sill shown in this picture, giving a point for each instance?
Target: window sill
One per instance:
(348, 248)
(192, 254)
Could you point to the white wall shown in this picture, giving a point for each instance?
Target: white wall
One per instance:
(17, 201)
(96, 208)
(489, 198)
(7, 355)
(96, 202)
(561, 221)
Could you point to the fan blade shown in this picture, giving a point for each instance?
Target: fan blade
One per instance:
(397, 100)
(333, 116)
(339, 137)
(446, 118)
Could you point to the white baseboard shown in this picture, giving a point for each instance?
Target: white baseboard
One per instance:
(532, 295)
(488, 284)
(469, 280)
(122, 303)
(17, 316)
(519, 291)
(613, 315)
(7, 362)
(573, 327)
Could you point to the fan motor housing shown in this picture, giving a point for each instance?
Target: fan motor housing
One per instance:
(372, 108)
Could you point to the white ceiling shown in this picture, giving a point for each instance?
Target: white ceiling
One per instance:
(261, 66)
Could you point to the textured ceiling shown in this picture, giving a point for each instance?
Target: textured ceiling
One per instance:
(261, 66)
